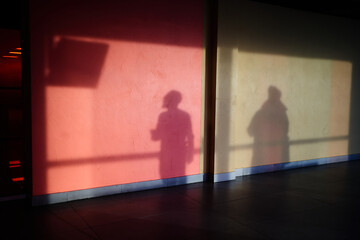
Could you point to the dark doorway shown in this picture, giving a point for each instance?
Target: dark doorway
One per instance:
(11, 115)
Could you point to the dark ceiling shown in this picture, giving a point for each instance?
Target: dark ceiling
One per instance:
(10, 11)
(341, 8)
(10, 14)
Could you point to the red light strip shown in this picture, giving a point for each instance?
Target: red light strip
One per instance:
(12, 166)
(10, 56)
(14, 162)
(19, 179)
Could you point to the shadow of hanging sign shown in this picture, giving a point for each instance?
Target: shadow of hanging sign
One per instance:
(75, 63)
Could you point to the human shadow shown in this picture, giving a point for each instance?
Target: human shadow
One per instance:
(269, 127)
(174, 131)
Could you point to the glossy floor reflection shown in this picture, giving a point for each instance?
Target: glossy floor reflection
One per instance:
(310, 203)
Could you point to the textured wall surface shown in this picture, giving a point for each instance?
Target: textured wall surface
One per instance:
(116, 92)
(284, 84)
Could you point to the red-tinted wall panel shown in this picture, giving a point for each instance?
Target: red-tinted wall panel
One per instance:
(116, 92)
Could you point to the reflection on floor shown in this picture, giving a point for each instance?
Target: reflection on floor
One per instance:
(310, 203)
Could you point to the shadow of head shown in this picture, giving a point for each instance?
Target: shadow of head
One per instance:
(172, 99)
(274, 94)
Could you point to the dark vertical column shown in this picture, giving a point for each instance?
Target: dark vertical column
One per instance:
(354, 126)
(211, 20)
(354, 129)
(26, 87)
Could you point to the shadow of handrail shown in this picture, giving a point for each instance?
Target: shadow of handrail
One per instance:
(140, 156)
(293, 142)
(135, 156)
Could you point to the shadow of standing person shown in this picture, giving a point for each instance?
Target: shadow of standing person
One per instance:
(174, 131)
(269, 127)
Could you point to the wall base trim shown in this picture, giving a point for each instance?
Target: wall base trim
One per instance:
(282, 166)
(12, 197)
(116, 189)
(169, 182)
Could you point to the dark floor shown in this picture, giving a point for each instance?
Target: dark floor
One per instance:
(310, 203)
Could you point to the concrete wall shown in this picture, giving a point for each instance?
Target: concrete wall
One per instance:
(118, 96)
(116, 92)
(285, 86)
